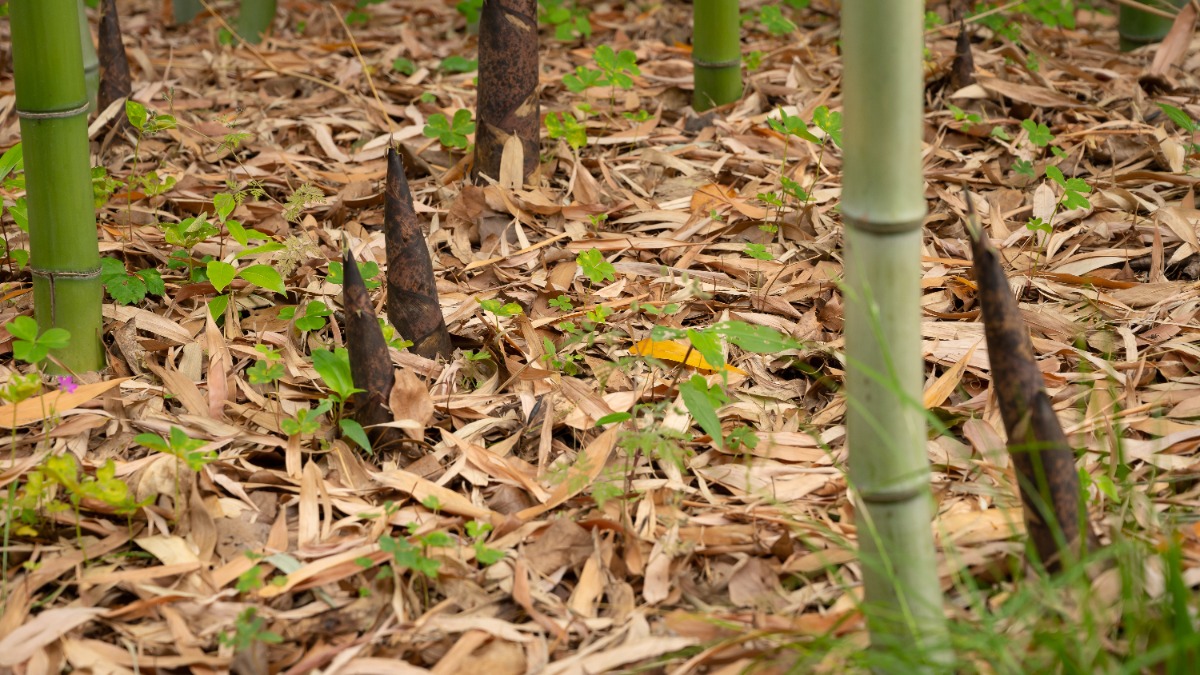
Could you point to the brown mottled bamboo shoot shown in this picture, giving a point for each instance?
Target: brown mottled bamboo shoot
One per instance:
(507, 103)
(115, 81)
(412, 298)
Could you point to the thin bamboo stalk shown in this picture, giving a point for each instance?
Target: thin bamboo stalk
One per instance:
(254, 19)
(716, 53)
(507, 104)
(1139, 28)
(52, 105)
(91, 62)
(883, 208)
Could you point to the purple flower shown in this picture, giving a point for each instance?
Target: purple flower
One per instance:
(67, 384)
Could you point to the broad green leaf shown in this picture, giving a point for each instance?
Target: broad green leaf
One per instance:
(702, 402)
(55, 338)
(224, 204)
(23, 328)
(594, 265)
(1179, 117)
(29, 352)
(154, 281)
(613, 418)
(126, 289)
(217, 306)
(830, 122)
(756, 339)
(355, 432)
(334, 369)
(709, 347)
(269, 247)
(152, 441)
(220, 274)
(1055, 174)
(238, 232)
(264, 276)
(136, 114)
(10, 160)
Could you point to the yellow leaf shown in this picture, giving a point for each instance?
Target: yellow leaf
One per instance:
(39, 408)
(675, 350)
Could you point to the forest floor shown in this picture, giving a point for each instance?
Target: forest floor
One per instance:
(528, 537)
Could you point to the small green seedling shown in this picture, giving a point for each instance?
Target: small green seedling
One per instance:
(459, 64)
(411, 556)
(314, 318)
(1185, 122)
(248, 629)
(772, 18)
(595, 267)
(146, 121)
(451, 133)
(179, 445)
(359, 15)
(268, 369)
(126, 288)
(1039, 133)
(584, 78)
(477, 531)
(470, 10)
(334, 369)
(617, 67)
(569, 23)
(307, 421)
(403, 66)
(494, 306)
(566, 127)
(968, 119)
(29, 346)
(758, 252)
(368, 269)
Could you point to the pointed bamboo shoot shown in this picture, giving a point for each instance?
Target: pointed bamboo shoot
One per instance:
(507, 104)
(412, 297)
(116, 82)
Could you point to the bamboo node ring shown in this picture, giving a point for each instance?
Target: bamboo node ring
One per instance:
(66, 274)
(729, 63)
(52, 114)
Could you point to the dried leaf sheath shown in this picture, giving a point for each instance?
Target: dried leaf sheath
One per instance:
(370, 365)
(508, 78)
(412, 300)
(1042, 456)
(115, 80)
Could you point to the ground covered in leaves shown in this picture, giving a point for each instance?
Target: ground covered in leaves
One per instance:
(589, 497)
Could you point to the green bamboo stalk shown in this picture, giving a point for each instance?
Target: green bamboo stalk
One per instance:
(716, 53)
(91, 63)
(52, 105)
(255, 19)
(185, 10)
(1138, 28)
(883, 208)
